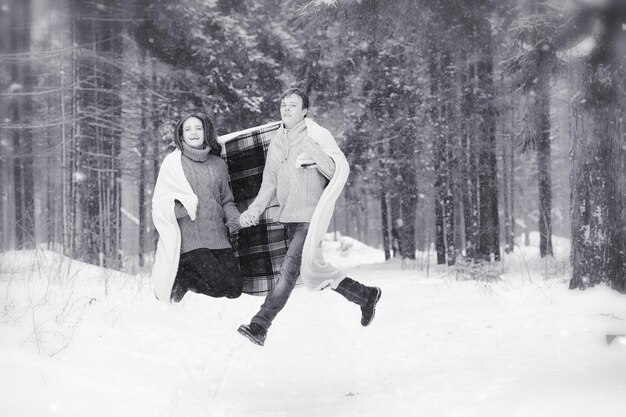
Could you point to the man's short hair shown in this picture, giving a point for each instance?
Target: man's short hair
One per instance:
(297, 92)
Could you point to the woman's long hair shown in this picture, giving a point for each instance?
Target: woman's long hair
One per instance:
(210, 137)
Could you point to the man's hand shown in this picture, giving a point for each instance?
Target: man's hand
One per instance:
(247, 220)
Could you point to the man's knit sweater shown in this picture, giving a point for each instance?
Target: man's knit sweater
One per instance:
(297, 189)
(208, 176)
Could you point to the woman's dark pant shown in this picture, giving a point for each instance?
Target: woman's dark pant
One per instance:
(289, 272)
(213, 272)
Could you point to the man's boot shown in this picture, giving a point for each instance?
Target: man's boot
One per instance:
(369, 310)
(254, 332)
(360, 294)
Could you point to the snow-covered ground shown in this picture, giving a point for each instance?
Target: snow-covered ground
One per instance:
(76, 340)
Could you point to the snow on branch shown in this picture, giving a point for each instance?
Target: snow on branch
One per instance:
(581, 50)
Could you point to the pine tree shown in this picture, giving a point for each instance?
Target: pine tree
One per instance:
(532, 73)
(598, 251)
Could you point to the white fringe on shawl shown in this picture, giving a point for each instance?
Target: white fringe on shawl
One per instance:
(171, 185)
(315, 273)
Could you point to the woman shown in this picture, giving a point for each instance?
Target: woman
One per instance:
(193, 210)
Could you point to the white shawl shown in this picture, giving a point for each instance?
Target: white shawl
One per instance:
(315, 273)
(171, 185)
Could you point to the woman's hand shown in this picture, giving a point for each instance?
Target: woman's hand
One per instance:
(247, 219)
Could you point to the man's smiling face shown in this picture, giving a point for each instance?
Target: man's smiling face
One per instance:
(291, 111)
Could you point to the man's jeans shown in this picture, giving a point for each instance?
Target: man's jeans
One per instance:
(289, 272)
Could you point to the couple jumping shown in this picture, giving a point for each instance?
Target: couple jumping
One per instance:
(193, 209)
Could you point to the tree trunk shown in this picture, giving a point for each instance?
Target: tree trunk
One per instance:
(440, 115)
(443, 200)
(403, 148)
(156, 151)
(507, 196)
(73, 174)
(544, 173)
(62, 219)
(542, 131)
(444, 197)
(409, 205)
(385, 223)
(469, 165)
(144, 139)
(598, 250)
(448, 192)
(489, 245)
(440, 241)
(395, 213)
(384, 211)
(21, 109)
(508, 177)
(7, 231)
(366, 219)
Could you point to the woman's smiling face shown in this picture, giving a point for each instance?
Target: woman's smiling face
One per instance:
(193, 132)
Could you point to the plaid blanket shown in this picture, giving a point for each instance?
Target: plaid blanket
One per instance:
(260, 249)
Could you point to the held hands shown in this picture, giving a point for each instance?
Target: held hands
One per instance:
(246, 219)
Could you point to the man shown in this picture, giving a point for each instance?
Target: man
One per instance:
(301, 159)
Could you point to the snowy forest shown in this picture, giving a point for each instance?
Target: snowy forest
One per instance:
(486, 144)
(467, 123)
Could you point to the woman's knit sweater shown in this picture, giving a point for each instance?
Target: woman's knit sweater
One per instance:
(297, 188)
(208, 176)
